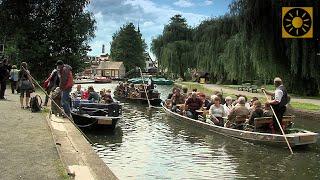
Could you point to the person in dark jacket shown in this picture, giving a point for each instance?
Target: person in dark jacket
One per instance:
(53, 83)
(4, 75)
(256, 112)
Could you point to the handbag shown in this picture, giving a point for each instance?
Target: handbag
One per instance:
(25, 85)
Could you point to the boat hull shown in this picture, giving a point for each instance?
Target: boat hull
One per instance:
(295, 139)
(87, 121)
(153, 102)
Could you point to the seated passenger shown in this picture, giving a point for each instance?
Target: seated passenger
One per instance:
(171, 94)
(217, 112)
(85, 94)
(238, 110)
(177, 98)
(106, 98)
(192, 104)
(78, 93)
(228, 105)
(256, 112)
(206, 103)
(93, 95)
(267, 112)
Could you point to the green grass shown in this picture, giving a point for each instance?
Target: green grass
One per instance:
(305, 106)
(61, 170)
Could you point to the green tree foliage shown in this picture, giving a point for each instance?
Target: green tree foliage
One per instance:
(246, 44)
(174, 48)
(42, 31)
(128, 46)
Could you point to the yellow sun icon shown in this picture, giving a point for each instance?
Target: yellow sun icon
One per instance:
(297, 22)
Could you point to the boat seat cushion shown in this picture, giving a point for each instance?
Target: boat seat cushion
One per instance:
(113, 109)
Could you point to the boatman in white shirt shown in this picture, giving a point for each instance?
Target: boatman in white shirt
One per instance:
(279, 101)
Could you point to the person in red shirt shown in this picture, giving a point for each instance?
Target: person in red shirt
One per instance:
(66, 83)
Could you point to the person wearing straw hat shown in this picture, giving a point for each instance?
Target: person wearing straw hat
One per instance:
(279, 101)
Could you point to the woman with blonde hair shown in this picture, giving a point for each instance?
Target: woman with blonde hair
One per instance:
(25, 84)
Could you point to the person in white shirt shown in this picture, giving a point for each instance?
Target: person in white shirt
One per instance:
(281, 99)
(228, 105)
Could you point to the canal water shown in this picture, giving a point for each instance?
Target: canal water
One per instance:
(149, 145)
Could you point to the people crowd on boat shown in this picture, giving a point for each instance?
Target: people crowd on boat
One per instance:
(136, 91)
(212, 110)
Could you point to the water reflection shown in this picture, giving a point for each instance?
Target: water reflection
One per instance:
(150, 145)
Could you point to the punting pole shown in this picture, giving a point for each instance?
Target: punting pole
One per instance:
(52, 101)
(144, 87)
(279, 124)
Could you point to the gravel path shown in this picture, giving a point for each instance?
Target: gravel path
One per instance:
(27, 150)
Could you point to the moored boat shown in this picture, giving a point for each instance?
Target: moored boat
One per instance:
(158, 81)
(88, 115)
(102, 79)
(296, 137)
(154, 101)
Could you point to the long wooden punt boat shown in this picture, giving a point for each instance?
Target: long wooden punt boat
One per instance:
(295, 138)
(93, 115)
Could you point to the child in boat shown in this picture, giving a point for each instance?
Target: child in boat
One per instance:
(78, 93)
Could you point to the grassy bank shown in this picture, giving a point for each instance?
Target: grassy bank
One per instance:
(207, 91)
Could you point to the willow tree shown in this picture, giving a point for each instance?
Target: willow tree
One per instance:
(174, 47)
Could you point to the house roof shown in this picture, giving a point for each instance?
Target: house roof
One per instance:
(110, 65)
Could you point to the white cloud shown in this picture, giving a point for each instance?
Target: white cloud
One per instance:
(208, 2)
(183, 3)
(113, 14)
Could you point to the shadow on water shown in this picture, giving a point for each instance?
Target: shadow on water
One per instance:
(150, 145)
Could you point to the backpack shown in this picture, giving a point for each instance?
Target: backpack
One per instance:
(35, 105)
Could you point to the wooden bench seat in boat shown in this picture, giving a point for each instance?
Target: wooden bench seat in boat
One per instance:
(268, 121)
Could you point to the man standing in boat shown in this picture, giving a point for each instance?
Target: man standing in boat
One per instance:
(279, 102)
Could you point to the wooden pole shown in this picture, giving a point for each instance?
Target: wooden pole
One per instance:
(279, 124)
(144, 87)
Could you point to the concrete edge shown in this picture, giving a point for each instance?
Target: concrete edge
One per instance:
(76, 154)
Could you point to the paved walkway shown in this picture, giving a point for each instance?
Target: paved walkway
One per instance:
(27, 150)
(234, 91)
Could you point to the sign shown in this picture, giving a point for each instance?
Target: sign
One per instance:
(297, 22)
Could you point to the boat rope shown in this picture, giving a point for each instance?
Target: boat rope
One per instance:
(52, 101)
(88, 125)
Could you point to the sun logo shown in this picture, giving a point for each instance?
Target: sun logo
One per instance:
(297, 22)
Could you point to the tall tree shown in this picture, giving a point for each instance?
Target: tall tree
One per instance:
(128, 46)
(174, 47)
(42, 31)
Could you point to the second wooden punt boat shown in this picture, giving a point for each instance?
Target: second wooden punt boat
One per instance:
(295, 138)
(153, 101)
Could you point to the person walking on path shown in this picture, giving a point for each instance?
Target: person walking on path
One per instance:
(65, 84)
(14, 77)
(4, 75)
(51, 84)
(25, 85)
(279, 101)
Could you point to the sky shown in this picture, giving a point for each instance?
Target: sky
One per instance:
(151, 15)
